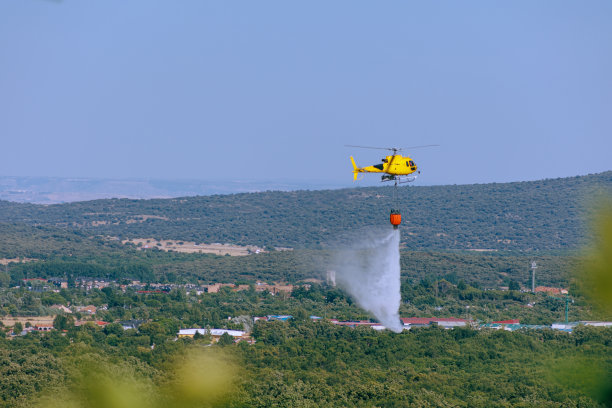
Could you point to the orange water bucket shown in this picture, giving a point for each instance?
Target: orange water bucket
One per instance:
(396, 219)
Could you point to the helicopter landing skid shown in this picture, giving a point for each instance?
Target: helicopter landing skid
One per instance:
(398, 179)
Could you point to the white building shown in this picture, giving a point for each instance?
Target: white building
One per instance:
(215, 333)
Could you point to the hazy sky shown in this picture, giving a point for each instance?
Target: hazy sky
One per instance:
(267, 90)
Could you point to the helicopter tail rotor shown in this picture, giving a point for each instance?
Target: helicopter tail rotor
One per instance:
(355, 169)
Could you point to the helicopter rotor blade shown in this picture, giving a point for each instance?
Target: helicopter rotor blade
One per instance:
(393, 149)
(419, 147)
(371, 147)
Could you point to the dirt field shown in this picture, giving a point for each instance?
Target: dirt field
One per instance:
(34, 320)
(192, 247)
(144, 217)
(135, 219)
(6, 261)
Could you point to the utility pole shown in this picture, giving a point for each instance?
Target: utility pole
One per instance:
(533, 268)
(567, 302)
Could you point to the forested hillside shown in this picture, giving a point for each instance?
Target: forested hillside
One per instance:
(538, 215)
(55, 252)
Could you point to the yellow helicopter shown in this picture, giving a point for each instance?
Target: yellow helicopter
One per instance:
(395, 167)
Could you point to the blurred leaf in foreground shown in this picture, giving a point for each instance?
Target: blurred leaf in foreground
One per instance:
(198, 378)
(596, 275)
(202, 378)
(582, 372)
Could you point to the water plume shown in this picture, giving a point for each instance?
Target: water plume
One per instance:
(369, 270)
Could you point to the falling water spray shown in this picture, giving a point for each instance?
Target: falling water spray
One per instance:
(369, 270)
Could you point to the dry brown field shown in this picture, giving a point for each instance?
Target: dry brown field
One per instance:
(34, 320)
(6, 261)
(192, 247)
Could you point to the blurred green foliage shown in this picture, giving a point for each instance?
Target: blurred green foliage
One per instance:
(307, 364)
(193, 377)
(595, 274)
(587, 372)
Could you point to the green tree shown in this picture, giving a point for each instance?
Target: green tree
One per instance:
(5, 279)
(63, 322)
(513, 285)
(113, 328)
(461, 285)
(225, 340)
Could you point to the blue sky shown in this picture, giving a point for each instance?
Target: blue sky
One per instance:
(273, 90)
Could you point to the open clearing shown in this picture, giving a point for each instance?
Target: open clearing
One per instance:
(33, 320)
(193, 248)
(6, 261)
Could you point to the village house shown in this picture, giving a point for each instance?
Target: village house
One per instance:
(90, 309)
(92, 283)
(58, 282)
(131, 324)
(445, 322)
(354, 323)
(61, 308)
(214, 288)
(273, 289)
(36, 284)
(279, 317)
(551, 291)
(216, 334)
(570, 326)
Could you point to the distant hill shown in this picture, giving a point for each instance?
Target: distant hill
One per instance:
(55, 190)
(535, 215)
